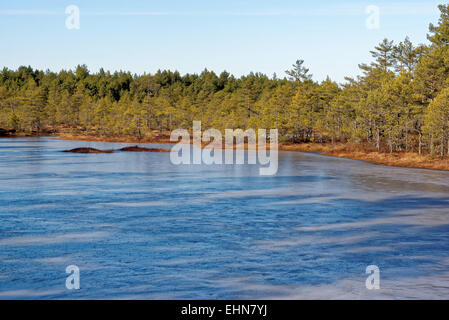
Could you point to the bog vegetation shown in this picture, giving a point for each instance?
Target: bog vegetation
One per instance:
(400, 102)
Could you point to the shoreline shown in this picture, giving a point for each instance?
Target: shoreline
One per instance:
(403, 160)
(396, 159)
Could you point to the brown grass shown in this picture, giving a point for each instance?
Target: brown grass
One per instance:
(408, 160)
(396, 159)
(124, 139)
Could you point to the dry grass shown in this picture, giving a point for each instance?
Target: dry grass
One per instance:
(408, 160)
(124, 139)
(311, 147)
(396, 159)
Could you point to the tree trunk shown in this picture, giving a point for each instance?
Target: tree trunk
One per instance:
(420, 144)
(431, 145)
(448, 147)
(406, 136)
(378, 140)
(390, 142)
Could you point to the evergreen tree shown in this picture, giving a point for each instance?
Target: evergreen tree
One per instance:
(437, 121)
(384, 55)
(299, 73)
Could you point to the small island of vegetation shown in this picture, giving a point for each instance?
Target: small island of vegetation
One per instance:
(395, 113)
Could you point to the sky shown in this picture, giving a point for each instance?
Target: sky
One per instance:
(238, 36)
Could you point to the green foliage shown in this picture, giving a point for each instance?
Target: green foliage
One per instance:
(399, 103)
(299, 72)
(384, 55)
(436, 122)
(439, 34)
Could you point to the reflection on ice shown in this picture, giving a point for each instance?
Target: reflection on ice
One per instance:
(140, 227)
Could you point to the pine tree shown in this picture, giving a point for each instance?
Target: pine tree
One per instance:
(437, 120)
(299, 73)
(384, 55)
(406, 55)
(439, 34)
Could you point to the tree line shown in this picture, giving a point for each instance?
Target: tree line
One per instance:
(400, 102)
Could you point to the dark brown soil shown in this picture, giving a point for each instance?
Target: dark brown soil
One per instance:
(140, 149)
(88, 150)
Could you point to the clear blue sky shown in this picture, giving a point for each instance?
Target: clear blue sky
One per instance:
(234, 35)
